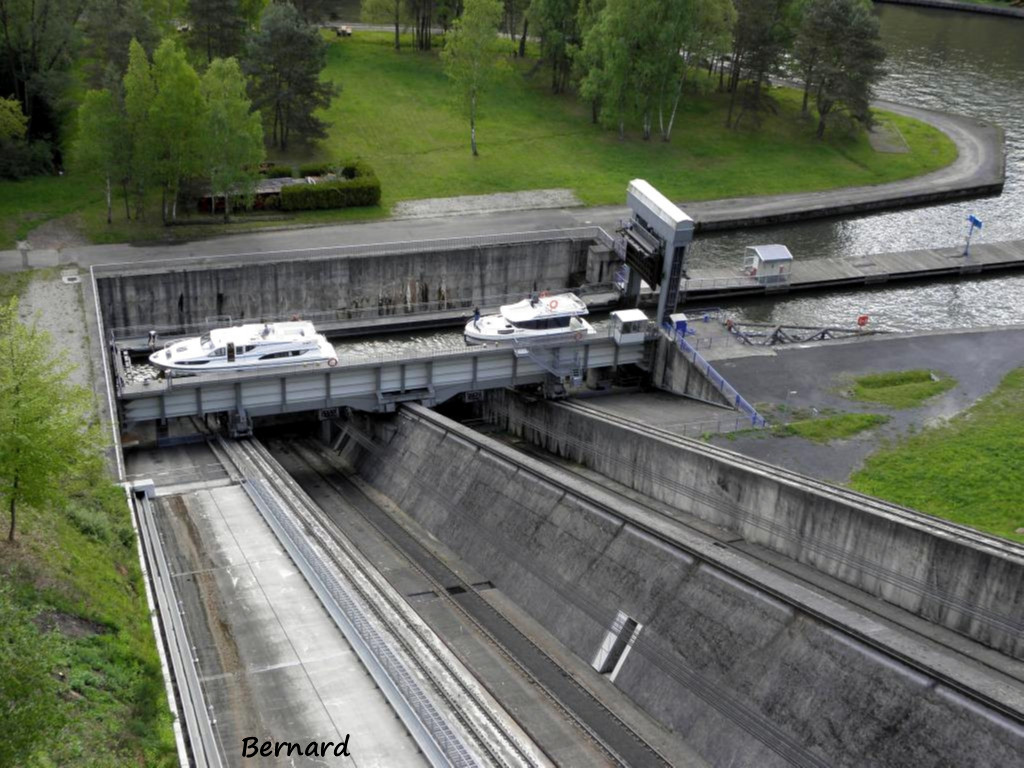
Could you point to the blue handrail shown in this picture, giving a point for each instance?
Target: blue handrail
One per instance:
(717, 380)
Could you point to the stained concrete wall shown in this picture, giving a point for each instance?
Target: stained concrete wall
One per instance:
(189, 295)
(959, 584)
(742, 677)
(673, 372)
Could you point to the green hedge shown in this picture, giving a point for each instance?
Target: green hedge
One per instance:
(278, 171)
(313, 169)
(331, 194)
(357, 186)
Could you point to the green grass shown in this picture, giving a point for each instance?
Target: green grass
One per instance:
(830, 427)
(967, 470)
(28, 203)
(79, 561)
(395, 111)
(901, 389)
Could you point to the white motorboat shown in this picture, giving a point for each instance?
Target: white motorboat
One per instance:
(257, 345)
(543, 318)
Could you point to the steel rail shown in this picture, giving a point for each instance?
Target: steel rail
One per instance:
(202, 740)
(308, 524)
(441, 590)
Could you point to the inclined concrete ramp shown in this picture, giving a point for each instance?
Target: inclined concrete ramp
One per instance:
(746, 665)
(271, 662)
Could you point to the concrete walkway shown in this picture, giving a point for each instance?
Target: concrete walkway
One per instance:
(979, 169)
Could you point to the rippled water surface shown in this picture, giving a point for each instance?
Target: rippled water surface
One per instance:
(963, 63)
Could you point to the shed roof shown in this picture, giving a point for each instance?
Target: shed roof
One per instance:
(771, 252)
(629, 315)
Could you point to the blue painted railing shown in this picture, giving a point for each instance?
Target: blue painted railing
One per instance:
(718, 381)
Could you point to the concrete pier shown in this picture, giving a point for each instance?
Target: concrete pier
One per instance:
(875, 269)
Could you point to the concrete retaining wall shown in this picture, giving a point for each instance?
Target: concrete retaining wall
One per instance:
(959, 584)
(185, 296)
(737, 674)
(674, 373)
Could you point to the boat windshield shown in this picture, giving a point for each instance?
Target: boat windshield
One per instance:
(204, 340)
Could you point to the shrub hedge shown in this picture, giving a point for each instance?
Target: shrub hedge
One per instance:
(357, 186)
(278, 171)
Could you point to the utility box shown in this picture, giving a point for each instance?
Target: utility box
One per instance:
(678, 321)
(768, 264)
(629, 326)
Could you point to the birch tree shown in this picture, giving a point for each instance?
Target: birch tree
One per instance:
(469, 56)
(45, 427)
(176, 120)
(100, 147)
(233, 138)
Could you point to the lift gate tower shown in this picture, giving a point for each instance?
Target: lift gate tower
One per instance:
(653, 244)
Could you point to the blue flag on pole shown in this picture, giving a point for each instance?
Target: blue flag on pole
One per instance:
(975, 221)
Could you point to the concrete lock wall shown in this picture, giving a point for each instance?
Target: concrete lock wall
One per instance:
(390, 282)
(965, 586)
(737, 674)
(673, 372)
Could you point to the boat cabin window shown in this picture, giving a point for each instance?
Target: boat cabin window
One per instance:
(218, 352)
(205, 341)
(286, 353)
(544, 323)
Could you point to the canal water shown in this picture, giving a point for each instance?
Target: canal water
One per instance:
(970, 64)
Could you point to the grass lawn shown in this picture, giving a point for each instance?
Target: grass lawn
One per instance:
(396, 111)
(968, 470)
(901, 389)
(829, 428)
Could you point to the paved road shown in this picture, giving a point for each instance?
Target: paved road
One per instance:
(812, 376)
(980, 164)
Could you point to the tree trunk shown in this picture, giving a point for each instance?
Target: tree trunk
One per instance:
(127, 211)
(398, 43)
(472, 125)
(14, 488)
(522, 40)
(163, 204)
(110, 204)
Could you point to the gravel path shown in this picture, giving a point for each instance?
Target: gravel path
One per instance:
(505, 201)
(56, 307)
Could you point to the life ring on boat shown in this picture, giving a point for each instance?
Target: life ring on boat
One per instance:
(578, 335)
(332, 362)
(553, 304)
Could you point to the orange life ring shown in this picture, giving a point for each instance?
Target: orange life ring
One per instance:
(578, 335)
(553, 304)
(332, 362)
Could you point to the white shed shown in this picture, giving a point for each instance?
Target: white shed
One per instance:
(768, 263)
(629, 325)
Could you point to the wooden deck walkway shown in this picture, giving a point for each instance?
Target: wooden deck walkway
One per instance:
(860, 270)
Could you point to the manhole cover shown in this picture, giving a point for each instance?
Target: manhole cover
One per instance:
(70, 276)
